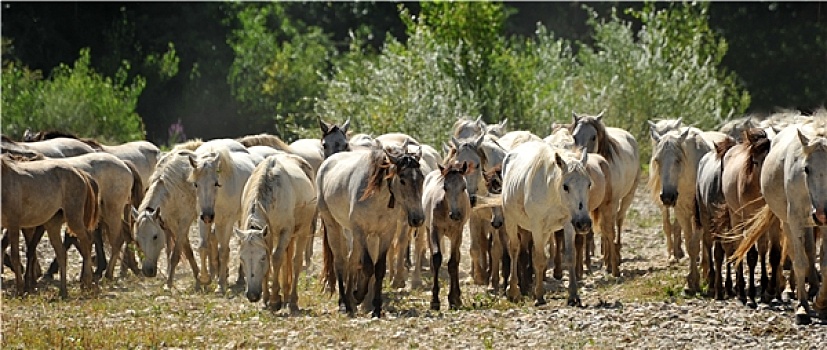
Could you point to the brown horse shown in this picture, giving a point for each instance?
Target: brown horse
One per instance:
(741, 185)
(65, 194)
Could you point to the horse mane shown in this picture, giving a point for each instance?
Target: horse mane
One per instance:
(172, 171)
(382, 167)
(57, 134)
(19, 157)
(723, 146)
(455, 167)
(607, 146)
(261, 185)
(264, 140)
(190, 145)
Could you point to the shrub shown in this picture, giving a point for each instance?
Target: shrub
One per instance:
(74, 99)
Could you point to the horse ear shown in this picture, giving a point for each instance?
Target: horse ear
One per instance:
(575, 117)
(134, 213)
(193, 163)
(156, 214)
(238, 233)
(265, 231)
(678, 122)
(684, 134)
(560, 162)
(584, 157)
(441, 168)
(345, 126)
(655, 135)
(446, 149)
(502, 123)
(652, 126)
(805, 141)
(478, 141)
(323, 126)
(600, 115)
(455, 141)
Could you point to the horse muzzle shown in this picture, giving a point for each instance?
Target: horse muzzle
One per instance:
(669, 198)
(473, 199)
(208, 218)
(253, 296)
(416, 220)
(582, 225)
(497, 222)
(455, 215)
(149, 271)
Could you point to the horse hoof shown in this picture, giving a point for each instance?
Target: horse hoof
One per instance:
(435, 306)
(540, 302)
(752, 305)
(557, 276)
(376, 313)
(398, 284)
(513, 295)
(802, 319)
(574, 302)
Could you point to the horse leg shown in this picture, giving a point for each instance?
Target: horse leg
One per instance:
(718, 252)
(692, 240)
(454, 299)
(558, 258)
(53, 230)
(477, 233)
(812, 277)
(223, 243)
(740, 285)
(100, 252)
(14, 240)
(763, 248)
(776, 284)
(802, 267)
(204, 276)
(573, 299)
(498, 236)
(84, 245)
(116, 245)
(32, 236)
(282, 240)
(525, 262)
(752, 261)
(436, 263)
(379, 275)
(513, 291)
(579, 254)
(183, 243)
(667, 231)
(539, 261)
(420, 241)
(820, 304)
(710, 264)
(300, 241)
(68, 242)
(403, 242)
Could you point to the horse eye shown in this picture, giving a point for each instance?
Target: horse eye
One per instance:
(566, 188)
(196, 185)
(807, 170)
(594, 137)
(155, 237)
(402, 181)
(264, 258)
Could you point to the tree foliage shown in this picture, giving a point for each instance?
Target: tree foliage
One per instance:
(74, 98)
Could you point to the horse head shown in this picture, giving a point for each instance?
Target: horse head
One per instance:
(150, 234)
(814, 166)
(254, 256)
(668, 160)
(334, 137)
(405, 182)
(574, 188)
(588, 131)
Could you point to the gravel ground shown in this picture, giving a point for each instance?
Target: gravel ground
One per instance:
(644, 308)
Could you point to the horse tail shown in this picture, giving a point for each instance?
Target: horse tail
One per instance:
(328, 270)
(754, 228)
(91, 207)
(137, 195)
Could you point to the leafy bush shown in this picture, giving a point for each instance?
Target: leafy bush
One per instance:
(75, 99)
(276, 72)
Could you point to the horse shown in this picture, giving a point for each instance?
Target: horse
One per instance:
(263, 139)
(497, 130)
(60, 147)
(740, 181)
(515, 138)
(165, 215)
(602, 208)
(219, 177)
(334, 137)
(620, 149)
(354, 190)
(142, 154)
(447, 208)
(465, 128)
(662, 126)
(795, 191)
(481, 155)
(709, 200)
(544, 190)
(279, 206)
(65, 194)
(673, 170)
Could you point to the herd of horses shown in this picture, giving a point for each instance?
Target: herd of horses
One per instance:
(755, 190)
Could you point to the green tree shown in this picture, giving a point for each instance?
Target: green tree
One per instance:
(76, 99)
(278, 68)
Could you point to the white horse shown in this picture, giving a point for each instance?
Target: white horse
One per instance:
(620, 149)
(544, 190)
(794, 186)
(673, 173)
(219, 177)
(279, 204)
(164, 217)
(362, 195)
